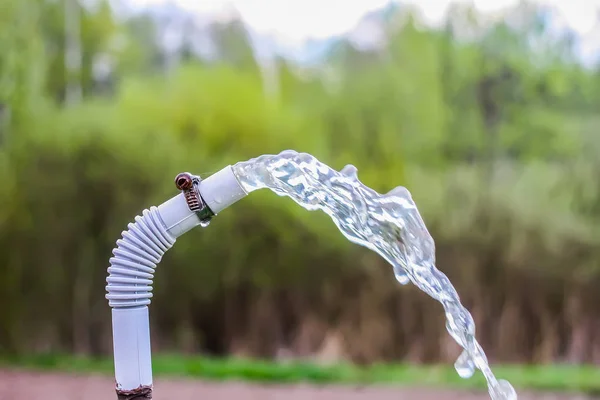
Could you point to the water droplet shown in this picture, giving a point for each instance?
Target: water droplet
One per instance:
(504, 391)
(401, 277)
(464, 365)
(289, 153)
(399, 191)
(350, 171)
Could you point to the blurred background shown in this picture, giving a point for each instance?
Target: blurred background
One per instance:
(489, 113)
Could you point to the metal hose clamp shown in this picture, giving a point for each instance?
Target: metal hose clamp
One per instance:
(189, 185)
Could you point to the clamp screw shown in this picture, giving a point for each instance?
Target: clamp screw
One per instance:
(184, 181)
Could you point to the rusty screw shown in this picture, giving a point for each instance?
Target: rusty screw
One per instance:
(184, 181)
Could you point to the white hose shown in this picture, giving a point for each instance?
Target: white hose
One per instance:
(131, 273)
(129, 291)
(136, 256)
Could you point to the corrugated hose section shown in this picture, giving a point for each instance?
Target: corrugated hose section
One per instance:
(135, 258)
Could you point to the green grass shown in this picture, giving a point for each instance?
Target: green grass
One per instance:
(546, 378)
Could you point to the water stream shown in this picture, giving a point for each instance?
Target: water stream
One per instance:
(388, 224)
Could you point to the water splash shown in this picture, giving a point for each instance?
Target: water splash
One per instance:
(388, 224)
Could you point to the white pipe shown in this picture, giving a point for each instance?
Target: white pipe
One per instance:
(177, 217)
(131, 343)
(221, 190)
(131, 272)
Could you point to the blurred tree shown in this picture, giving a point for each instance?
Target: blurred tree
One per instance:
(21, 62)
(233, 45)
(96, 27)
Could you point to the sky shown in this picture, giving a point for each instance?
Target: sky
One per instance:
(294, 21)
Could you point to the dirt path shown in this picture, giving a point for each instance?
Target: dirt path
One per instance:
(18, 385)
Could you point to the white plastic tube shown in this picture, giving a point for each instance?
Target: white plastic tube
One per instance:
(131, 274)
(221, 190)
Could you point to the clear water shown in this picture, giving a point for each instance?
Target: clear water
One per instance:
(388, 224)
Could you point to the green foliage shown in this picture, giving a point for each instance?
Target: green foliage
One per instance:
(568, 379)
(496, 140)
(21, 63)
